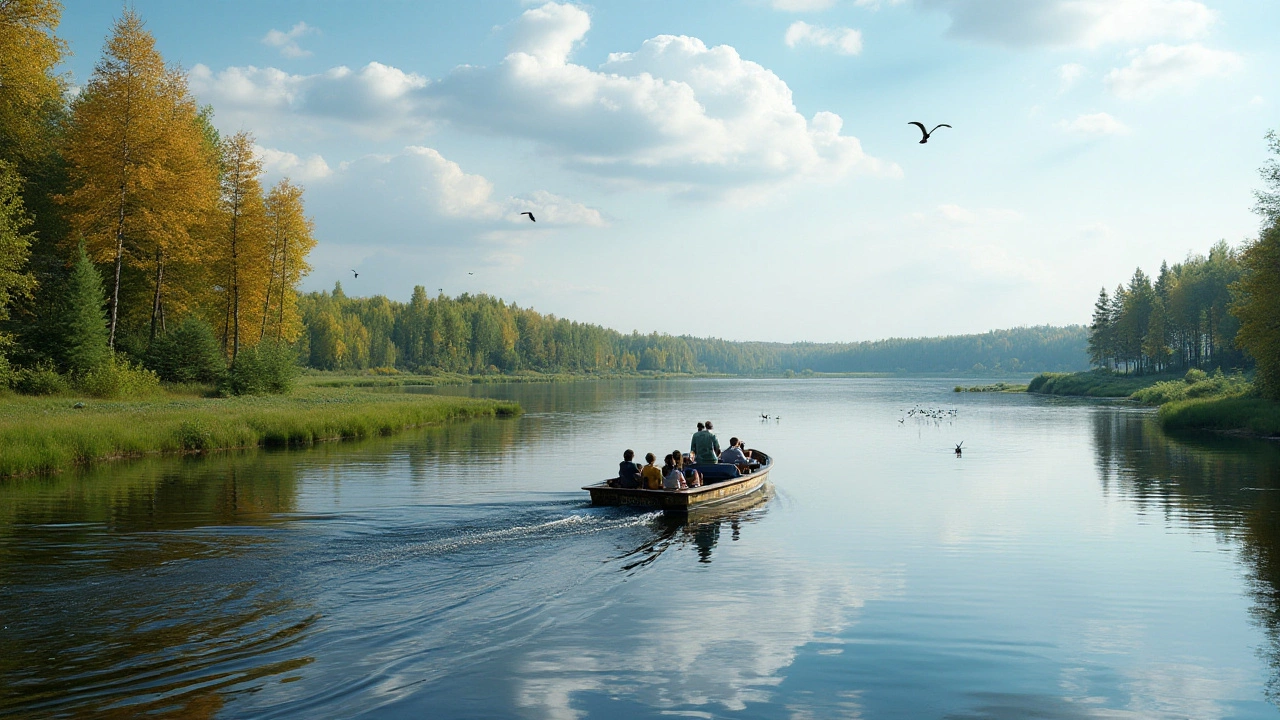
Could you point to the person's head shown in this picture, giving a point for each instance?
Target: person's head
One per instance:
(677, 458)
(701, 427)
(733, 442)
(628, 455)
(667, 460)
(649, 458)
(708, 424)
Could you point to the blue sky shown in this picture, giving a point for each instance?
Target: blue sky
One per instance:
(744, 169)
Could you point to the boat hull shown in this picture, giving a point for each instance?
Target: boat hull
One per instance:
(683, 502)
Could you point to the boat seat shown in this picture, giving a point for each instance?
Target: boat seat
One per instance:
(717, 471)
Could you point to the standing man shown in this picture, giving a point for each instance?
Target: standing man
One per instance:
(704, 446)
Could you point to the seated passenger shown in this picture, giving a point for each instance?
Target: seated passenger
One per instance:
(628, 471)
(692, 478)
(733, 454)
(672, 478)
(651, 474)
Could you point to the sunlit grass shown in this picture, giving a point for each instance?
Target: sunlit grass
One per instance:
(50, 434)
(1252, 415)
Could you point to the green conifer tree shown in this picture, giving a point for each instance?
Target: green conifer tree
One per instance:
(84, 321)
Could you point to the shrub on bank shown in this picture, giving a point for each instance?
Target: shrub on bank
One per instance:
(187, 354)
(1195, 384)
(266, 369)
(40, 380)
(118, 378)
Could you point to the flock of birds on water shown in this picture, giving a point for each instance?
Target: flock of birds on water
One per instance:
(926, 134)
(934, 415)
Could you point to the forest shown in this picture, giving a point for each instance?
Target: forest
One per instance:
(136, 242)
(1209, 311)
(479, 334)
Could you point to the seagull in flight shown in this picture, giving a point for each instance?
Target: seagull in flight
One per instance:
(531, 217)
(471, 273)
(927, 133)
(353, 272)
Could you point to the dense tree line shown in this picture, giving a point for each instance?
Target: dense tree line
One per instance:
(130, 181)
(479, 333)
(1179, 321)
(1221, 310)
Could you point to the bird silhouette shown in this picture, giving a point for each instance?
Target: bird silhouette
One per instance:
(353, 272)
(531, 217)
(958, 448)
(471, 273)
(927, 133)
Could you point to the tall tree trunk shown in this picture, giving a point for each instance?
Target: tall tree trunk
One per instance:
(266, 302)
(115, 286)
(157, 311)
(284, 282)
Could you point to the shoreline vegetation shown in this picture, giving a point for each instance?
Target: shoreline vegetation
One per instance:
(1199, 401)
(55, 433)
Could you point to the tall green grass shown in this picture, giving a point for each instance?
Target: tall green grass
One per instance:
(40, 435)
(1095, 383)
(1252, 415)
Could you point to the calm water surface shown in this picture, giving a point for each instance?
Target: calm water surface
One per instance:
(1074, 563)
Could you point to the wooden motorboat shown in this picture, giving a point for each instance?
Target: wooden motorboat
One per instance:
(682, 502)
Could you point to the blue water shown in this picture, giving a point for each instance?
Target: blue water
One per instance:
(1075, 562)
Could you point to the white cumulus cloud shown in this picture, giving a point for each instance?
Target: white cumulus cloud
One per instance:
(287, 42)
(673, 113)
(845, 41)
(1095, 124)
(1165, 67)
(281, 163)
(377, 99)
(420, 181)
(1084, 23)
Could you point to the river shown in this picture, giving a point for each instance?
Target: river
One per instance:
(1074, 562)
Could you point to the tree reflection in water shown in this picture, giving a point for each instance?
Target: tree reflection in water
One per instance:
(1230, 486)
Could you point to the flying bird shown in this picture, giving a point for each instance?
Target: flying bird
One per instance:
(353, 272)
(471, 273)
(927, 133)
(531, 217)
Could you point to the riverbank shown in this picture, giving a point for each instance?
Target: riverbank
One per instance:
(1197, 400)
(1094, 383)
(50, 434)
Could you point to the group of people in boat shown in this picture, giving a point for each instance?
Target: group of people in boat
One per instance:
(705, 463)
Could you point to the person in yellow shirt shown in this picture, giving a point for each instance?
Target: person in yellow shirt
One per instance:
(652, 474)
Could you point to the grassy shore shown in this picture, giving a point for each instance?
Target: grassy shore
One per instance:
(48, 434)
(994, 387)
(1239, 414)
(1095, 383)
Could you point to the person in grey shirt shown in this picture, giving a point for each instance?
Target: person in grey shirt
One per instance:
(733, 454)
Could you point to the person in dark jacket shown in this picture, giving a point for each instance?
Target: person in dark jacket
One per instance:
(628, 471)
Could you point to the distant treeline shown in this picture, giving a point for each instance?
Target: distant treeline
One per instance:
(480, 333)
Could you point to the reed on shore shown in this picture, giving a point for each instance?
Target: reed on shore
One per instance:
(49, 434)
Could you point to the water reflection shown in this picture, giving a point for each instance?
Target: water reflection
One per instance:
(1229, 486)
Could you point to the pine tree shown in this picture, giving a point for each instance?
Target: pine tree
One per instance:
(140, 174)
(1100, 330)
(85, 338)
